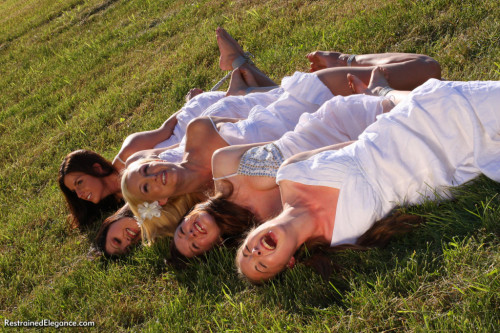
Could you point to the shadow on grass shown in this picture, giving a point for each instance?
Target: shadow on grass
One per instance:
(474, 211)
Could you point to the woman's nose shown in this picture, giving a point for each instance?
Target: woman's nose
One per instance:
(256, 251)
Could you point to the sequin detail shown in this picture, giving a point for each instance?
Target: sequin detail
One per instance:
(261, 161)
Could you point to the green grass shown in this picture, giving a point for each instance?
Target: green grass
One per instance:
(85, 74)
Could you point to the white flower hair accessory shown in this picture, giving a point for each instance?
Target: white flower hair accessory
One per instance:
(148, 210)
(139, 221)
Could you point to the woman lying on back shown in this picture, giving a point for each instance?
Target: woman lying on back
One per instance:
(91, 184)
(150, 180)
(244, 175)
(442, 135)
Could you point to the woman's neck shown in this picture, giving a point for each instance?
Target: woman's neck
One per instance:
(192, 177)
(113, 185)
(312, 209)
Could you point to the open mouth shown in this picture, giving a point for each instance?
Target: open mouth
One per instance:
(199, 228)
(132, 234)
(268, 241)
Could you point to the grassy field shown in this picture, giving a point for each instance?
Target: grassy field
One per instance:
(85, 74)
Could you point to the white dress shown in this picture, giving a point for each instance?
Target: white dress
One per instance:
(444, 134)
(303, 93)
(338, 120)
(213, 104)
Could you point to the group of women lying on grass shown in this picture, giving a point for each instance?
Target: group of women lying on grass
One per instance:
(322, 159)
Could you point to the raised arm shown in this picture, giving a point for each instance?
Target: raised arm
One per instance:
(144, 140)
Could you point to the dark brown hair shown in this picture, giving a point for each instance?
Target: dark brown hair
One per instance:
(378, 235)
(83, 212)
(100, 239)
(232, 219)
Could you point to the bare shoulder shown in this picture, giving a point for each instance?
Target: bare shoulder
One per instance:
(225, 161)
(313, 196)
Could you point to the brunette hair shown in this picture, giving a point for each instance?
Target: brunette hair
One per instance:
(100, 239)
(232, 219)
(379, 235)
(84, 212)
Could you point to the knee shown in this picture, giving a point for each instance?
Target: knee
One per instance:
(200, 125)
(432, 66)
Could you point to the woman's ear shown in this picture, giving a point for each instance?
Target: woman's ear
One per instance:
(163, 202)
(291, 262)
(98, 168)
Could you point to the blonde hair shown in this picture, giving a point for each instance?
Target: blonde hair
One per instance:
(171, 213)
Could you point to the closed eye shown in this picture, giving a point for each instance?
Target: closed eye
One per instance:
(181, 231)
(144, 169)
(243, 252)
(196, 247)
(116, 241)
(145, 188)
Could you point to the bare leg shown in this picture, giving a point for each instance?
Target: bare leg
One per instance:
(230, 50)
(325, 59)
(378, 81)
(406, 75)
(241, 79)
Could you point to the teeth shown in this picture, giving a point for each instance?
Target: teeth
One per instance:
(198, 227)
(130, 232)
(266, 244)
(88, 196)
(163, 178)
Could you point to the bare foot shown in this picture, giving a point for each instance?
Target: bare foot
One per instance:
(229, 49)
(378, 80)
(237, 86)
(325, 59)
(192, 93)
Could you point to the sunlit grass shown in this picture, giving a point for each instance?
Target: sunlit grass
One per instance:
(85, 74)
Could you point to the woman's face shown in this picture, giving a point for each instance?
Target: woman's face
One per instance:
(122, 235)
(197, 234)
(85, 186)
(152, 181)
(266, 251)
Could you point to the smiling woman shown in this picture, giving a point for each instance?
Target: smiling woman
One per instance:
(335, 196)
(214, 222)
(118, 233)
(90, 185)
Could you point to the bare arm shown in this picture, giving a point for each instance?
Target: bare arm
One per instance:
(144, 140)
(147, 153)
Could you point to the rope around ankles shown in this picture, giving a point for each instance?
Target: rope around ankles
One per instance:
(245, 58)
(350, 59)
(384, 91)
